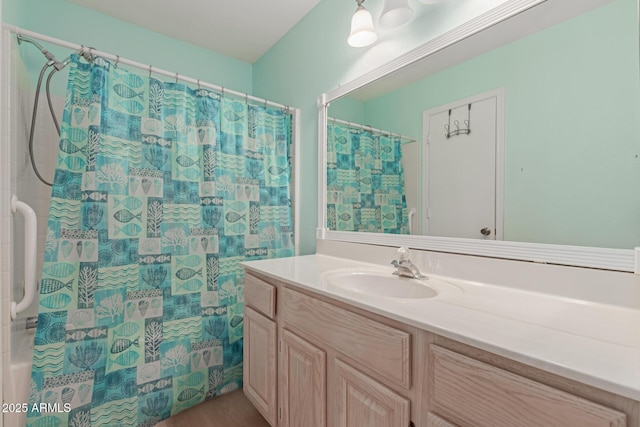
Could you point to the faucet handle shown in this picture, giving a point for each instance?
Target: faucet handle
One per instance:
(403, 253)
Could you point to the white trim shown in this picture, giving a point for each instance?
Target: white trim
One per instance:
(602, 258)
(580, 256)
(500, 164)
(636, 267)
(6, 278)
(322, 166)
(499, 159)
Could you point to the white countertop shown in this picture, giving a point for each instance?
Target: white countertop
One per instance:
(595, 344)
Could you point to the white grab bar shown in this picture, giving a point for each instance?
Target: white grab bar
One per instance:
(412, 212)
(30, 255)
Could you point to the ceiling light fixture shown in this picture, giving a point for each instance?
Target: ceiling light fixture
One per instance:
(363, 32)
(395, 13)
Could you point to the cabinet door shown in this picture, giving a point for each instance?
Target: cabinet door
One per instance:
(435, 421)
(362, 401)
(260, 342)
(303, 375)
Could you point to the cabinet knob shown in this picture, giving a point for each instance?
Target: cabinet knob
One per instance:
(485, 231)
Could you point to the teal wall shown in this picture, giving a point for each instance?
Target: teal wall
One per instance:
(77, 24)
(313, 58)
(572, 97)
(348, 109)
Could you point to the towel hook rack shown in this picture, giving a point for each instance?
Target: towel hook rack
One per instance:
(464, 131)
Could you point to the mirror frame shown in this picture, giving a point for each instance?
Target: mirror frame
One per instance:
(627, 260)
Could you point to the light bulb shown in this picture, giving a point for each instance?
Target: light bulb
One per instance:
(395, 13)
(362, 31)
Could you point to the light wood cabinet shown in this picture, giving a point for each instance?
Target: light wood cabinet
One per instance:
(260, 295)
(361, 401)
(303, 376)
(312, 361)
(259, 369)
(493, 397)
(384, 349)
(435, 421)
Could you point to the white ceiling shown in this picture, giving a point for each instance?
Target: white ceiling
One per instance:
(241, 29)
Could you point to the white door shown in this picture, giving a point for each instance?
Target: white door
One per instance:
(464, 172)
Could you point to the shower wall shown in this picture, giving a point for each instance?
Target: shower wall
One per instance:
(18, 178)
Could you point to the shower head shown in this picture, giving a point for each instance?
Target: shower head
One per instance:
(50, 56)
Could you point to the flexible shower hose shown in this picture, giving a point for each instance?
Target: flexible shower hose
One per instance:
(51, 109)
(35, 113)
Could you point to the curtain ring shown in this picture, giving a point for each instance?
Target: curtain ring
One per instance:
(246, 98)
(198, 84)
(222, 91)
(265, 104)
(150, 66)
(176, 78)
(117, 61)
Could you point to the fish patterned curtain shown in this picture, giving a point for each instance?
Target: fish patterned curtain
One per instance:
(160, 191)
(365, 181)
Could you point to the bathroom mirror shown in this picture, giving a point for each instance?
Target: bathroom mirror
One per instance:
(538, 98)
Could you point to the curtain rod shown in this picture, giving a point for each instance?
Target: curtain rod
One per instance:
(372, 129)
(81, 48)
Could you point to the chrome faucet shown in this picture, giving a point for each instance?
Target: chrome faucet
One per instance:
(404, 266)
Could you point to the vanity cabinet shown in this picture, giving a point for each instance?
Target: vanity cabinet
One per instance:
(493, 397)
(260, 347)
(259, 369)
(303, 375)
(362, 401)
(335, 367)
(317, 362)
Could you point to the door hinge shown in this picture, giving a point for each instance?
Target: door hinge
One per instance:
(280, 413)
(411, 424)
(280, 346)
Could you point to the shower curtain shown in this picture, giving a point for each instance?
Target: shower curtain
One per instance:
(160, 191)
(365, 181)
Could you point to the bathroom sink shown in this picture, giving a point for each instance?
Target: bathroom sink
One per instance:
(381, 284)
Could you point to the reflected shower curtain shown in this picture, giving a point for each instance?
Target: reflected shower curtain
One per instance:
(365, 181)
(159, 192)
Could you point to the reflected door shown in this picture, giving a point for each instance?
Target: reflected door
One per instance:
(461, 170)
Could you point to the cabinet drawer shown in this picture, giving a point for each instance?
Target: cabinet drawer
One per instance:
(472, 393)
(260, 295)
(378, 347)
